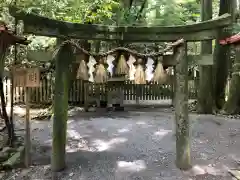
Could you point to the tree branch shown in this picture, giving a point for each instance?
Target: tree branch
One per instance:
(141, 10)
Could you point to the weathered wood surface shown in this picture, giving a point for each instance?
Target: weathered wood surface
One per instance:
(205, 98)
(62, 74)
(33, 77)
(231, 106)
(19, 77)
(222, 60)
(27, 139)
(54, 28)
(181, 109)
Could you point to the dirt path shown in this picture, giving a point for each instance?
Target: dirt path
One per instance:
(136, 146)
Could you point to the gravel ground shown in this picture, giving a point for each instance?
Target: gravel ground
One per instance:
(134, 145)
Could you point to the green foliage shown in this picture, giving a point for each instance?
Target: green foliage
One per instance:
(173, 12)
(74, 11)
(112, 12)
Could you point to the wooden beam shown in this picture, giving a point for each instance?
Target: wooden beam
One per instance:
(54, 28)
(168, 60)
(127, 37)
(169, 37)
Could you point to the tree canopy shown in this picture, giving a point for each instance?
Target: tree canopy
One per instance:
(108, 12)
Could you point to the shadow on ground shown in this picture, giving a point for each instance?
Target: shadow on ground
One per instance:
(135, 145)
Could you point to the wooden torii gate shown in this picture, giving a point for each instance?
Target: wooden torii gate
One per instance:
(43, 26)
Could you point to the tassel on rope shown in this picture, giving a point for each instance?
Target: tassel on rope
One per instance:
(91, 68)
(110, 60)
(132, 68)
(82, 71)
(160, 74)
(140, 76)
(101, 75)
(149, 70)
(122, 66)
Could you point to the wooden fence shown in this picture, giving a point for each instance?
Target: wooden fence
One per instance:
(44, 94)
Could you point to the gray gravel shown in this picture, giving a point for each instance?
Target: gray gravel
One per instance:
(135, 146)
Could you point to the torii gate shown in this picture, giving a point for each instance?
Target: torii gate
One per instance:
(43, 26)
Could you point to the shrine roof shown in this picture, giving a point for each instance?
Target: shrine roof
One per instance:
(235, 39)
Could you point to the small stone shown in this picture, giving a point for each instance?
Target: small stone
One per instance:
(71, 174)
(15, 158)
(3, 156)
(8, 150)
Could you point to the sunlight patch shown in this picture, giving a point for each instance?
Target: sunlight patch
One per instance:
(49, 141)
(73, 134)
(74, 110)
(78, 145)
(69, 121)
(209, 169)
(196, 170)
(123, 130)
(162, 132)
(134, 166)
(18, 110)
(102, 145)
(141, 123)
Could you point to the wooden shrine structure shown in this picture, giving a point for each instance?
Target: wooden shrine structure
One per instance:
(7, 39)
(179, 35)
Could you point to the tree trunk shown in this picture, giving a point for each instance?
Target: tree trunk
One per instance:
(232, 104)
(221, 56)
(62, 78)
(205, 96)
(8, 123)
(181, 109)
